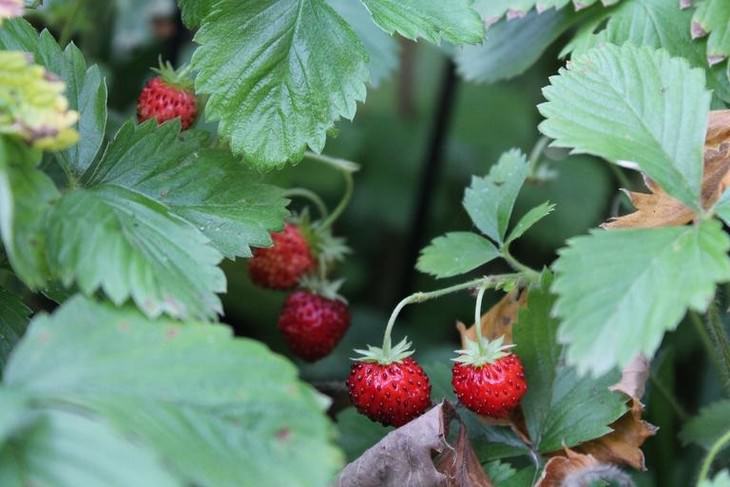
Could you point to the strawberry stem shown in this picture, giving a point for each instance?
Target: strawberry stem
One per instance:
(716, 448)
(311, 196)
(529, 273)
(483, 283)
(347, 168)
(478, 318)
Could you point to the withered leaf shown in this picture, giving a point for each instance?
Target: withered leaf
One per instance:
(498, 320)
(658, 209)
(403, 458)
(461, 465)
(577, 469)
(634, 377)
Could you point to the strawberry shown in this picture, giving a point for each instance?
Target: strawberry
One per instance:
(389, 387)
(285, 263)
(313, 324)
(488, 380)
(168, 96)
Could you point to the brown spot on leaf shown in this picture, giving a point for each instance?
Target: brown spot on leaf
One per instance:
(171, 333)
(283, 434)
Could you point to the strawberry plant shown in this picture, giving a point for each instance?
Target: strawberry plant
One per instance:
(193, 272)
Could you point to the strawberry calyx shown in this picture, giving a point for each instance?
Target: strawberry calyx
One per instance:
(385, 355)
(327, 248)
(323, 287)
(483, 351)
(179, 79)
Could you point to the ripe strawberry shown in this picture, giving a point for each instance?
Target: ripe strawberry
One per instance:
(168, 96)
(284, 264)
(490, 382)
(312, 324)
(390, 392)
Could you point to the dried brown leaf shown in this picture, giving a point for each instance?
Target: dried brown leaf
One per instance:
(559, 468)
(634, 377)
(498, 320)
(461, 465)
(658, 209)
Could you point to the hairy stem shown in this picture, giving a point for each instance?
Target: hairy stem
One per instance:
(535, 155)
(347, 168)
(719, 342)
(716, 448)
(531, 274)
(478, 317)
(310, 196)
(419, 297)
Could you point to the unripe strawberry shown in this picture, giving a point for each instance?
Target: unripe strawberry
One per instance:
(285, 263)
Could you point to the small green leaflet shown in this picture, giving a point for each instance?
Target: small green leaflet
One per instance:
(85, 87)
(618, 289)
(13, 320)
(712, 19)
(528, 220)
(637, 104)
(456, 22)
(240, 416)
(456, 253)
(706, 428)
(26, 197)
(489, 200)
(554, 406)
(278, 73)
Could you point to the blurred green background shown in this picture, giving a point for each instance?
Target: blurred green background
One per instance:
(392, 138)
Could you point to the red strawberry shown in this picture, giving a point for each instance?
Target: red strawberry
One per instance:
(391, 393)
(490, 384)
(166, 97)
(313, 325)
(284, 264)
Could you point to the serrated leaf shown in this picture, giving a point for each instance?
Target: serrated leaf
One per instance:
(239, 416)
(457, 23)
(619, 103)
(493, 10)
(194, 11)
(86, 89)
(382, 49)
(554, 405)
(13, 320)
(278, 75)
(712, 19)
(207, 187)
(69, 450)
(618, 294)
(456, 253)
(124, 243)
(529, 219)
(489, 200)
(707, 427)
(26, 197)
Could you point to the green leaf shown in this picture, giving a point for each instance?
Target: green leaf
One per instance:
(707, 427)
(13, 320)
(722, 208)
(382, 49)
(555, 403)
(620, 103)
(86, 89)
(358, 433)
(69, 450)
(456, 253)
(721, 479)
(457, 23)
(117, 240)
(618, 289)
(489, 200)
(529, 219)
(26, 197)
(278, 75)
(494, 10)
(194, 11)
(207, 187)
(217, 410)
(499, 472)
(712, 18)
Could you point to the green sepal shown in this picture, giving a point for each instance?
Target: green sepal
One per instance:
(323, 287)
(399, 352)
(175, 78)
(488, 353)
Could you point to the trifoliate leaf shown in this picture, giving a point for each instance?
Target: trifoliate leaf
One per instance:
(278, 73)
(489, 200)
(529, 219)
(194, 11)
(85, 88)
(554, 405)
(13, 320)
(215, 410)
(10, 9)
(115, 239)
(712, 19)
(64, 449)
(32, 105)
(614, 102)
(457, 23)
(26, 197)
(382, 49)
(207, 187)
(456, 253)
(618, 289)
(707, 427)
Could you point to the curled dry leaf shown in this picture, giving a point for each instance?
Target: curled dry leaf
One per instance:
(575, 469)
(461, 465)
(498, 320)
(634, 378)
(658, 209)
